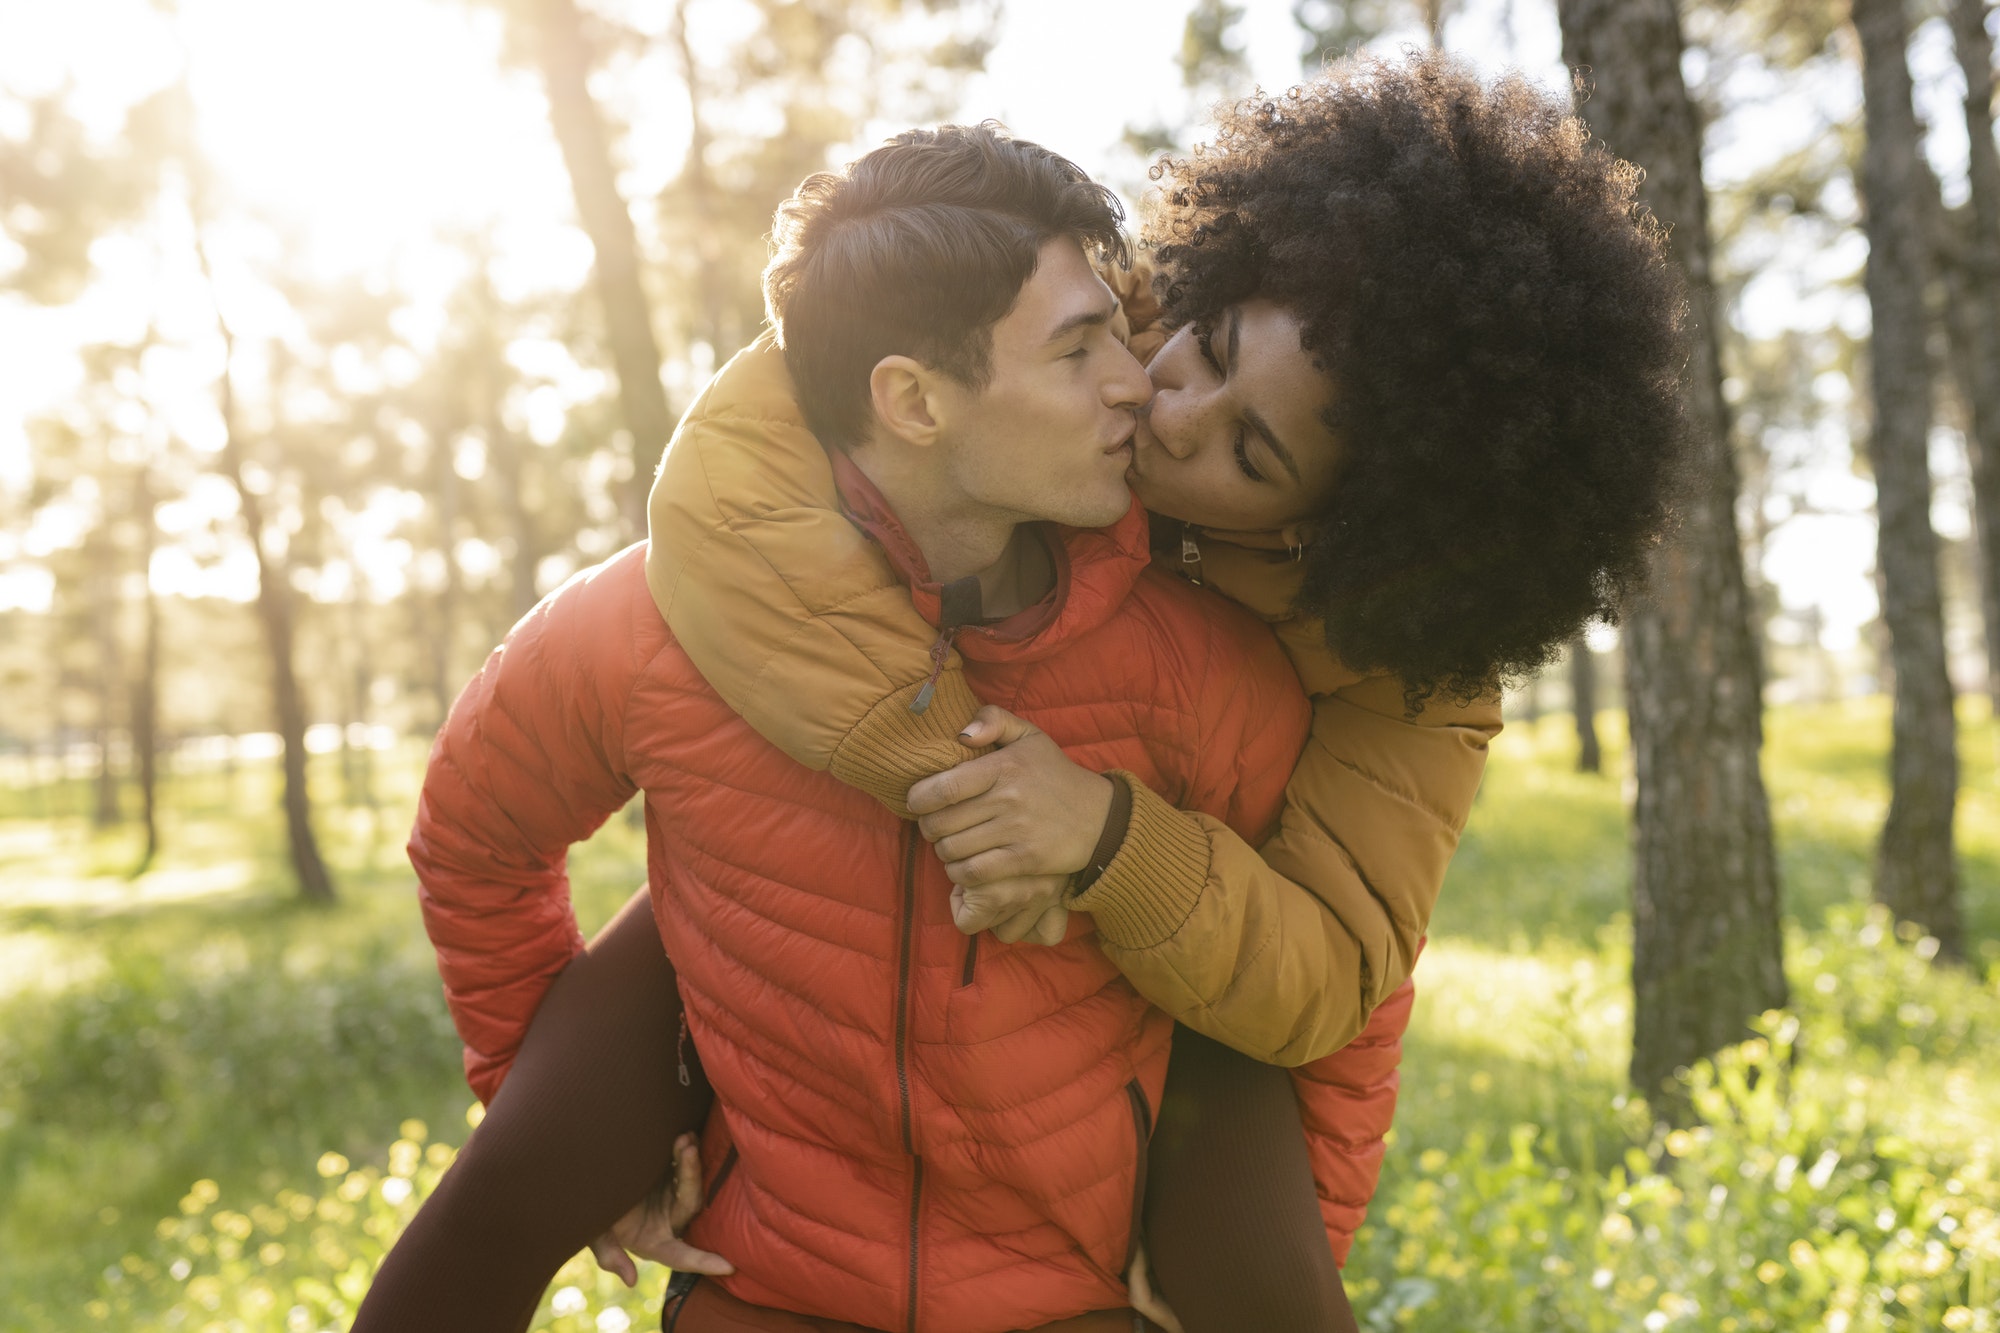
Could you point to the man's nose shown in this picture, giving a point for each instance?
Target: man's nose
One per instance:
(1127, 388)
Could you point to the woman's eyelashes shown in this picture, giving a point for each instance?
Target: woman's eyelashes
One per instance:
(1204, 339)
(1242, 448)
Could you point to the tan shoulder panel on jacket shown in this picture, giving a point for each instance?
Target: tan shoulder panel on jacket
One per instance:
(793, 615)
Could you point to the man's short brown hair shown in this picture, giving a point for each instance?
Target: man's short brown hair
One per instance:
(918, 249)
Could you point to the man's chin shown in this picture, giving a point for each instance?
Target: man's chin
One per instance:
(1153, 502)
(1106, 513)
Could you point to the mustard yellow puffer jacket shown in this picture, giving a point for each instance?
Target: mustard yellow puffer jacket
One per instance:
(1281, 952)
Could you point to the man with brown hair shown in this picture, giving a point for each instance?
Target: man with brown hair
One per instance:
(910, 1134)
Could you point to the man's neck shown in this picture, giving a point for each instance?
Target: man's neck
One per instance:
(960, 538)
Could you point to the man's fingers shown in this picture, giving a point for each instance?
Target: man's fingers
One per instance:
(1051, 928)
(993, 725)
(688, 1193)
(611, 1257)
(685, 1258)
(977, 909)
(1015, 928)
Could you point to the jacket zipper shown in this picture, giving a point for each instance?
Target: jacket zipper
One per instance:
(916, 1207)
(903, 970)
(1142, 1132)
(971, 961)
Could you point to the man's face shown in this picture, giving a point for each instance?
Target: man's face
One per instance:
(1050, 436)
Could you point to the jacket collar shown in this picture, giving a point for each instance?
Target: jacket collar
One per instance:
(1095, 570)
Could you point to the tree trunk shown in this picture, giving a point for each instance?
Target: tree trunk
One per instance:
(1973, 304)
(104, 629)
(1583, 702)
(1915, 872)
(700, 187)
(526, 555)
(564, 58)
(357, 762)
(508, 452)
(1707, 947)
(146, 689)
(274, 614)
(442, 632)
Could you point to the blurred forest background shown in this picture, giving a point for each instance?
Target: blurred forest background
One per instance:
(332, 336)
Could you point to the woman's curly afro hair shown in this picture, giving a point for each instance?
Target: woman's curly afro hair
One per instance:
(1503, 333)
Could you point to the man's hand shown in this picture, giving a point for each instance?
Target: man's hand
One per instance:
(1012, 827)
(652, 1229)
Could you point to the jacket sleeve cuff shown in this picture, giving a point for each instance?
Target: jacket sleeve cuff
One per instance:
(1151, 886)
(892, 748)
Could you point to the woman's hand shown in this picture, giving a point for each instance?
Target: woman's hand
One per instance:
(652, 1229)
(1012, 827)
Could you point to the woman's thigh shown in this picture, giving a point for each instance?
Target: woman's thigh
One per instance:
(583, 1127)
(1233, 1226)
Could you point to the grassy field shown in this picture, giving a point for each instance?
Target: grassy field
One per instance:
(217, 1107)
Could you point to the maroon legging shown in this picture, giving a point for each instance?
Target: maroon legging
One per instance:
(585, 1124)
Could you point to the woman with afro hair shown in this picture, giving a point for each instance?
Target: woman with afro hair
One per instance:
(1415, 352)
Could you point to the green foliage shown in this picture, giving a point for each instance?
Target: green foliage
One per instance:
(1842, 1175)
(1794, 1205)
(302, 1260)
(1212, 59)
(196, 1023)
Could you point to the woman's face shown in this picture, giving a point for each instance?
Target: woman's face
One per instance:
(1234, 438)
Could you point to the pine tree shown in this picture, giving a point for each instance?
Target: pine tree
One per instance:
(1916, 873)
(1707, 949)
(1973, 312)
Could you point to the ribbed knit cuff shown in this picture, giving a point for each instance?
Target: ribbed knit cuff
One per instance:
(1152, 885)
(892, 749)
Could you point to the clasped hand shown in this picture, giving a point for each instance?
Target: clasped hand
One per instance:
(652, 1230)
(1011, 828)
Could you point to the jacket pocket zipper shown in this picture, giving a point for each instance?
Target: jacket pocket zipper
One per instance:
(721, 1175)
(971, 961)
(1142, 1135)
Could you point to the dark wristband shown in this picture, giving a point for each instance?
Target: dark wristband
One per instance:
(1116, 821)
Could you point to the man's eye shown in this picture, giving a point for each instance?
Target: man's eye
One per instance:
(1078, 355)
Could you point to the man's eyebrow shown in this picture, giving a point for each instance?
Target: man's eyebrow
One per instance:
(1086, 319)
(1251, 414)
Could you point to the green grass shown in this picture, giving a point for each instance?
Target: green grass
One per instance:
(217, 1106)
(199, 1022)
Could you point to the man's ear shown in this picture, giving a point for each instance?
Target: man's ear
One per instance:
(904, 394)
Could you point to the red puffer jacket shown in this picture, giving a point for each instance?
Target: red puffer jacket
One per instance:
(915, 1129)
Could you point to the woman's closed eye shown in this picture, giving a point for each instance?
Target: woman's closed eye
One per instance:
(1204, 339)
(1242, 449)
